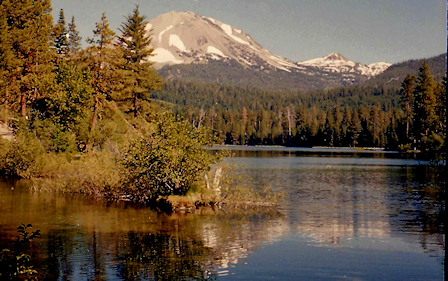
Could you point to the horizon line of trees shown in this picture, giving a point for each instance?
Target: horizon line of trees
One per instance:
(356, 116)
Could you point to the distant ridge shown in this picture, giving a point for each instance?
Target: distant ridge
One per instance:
(191, 47)
(336, 62)
(396, 73)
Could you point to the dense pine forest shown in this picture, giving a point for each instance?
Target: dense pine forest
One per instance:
(355, 116)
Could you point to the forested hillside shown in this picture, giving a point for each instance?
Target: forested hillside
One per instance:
(231, 73)
(362, 115)
(395, 74)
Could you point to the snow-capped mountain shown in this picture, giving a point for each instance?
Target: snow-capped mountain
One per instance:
(192, 47)
(186, 37)
(378, 67)
(336, 63)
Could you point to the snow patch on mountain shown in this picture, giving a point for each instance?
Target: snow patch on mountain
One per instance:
(378, 67)
(282, 61)
(177, 42)
(211, 19)
(188, 38)
(246, 61)
(163, 32)
(254, 48)
(162, 55)
(337, 63)
(283, 68)
(228, 30)
(214, 50)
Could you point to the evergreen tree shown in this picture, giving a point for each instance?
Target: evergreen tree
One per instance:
(102, 59)
(425, 118)
(355, 128)
(345, 126)
(407, 99)
(243, 125)
(74, 40)
(6, 57)
(441, 104)
(28, 67)
(135, 46)
(61, 39)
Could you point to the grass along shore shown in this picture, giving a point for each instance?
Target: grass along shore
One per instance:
(157, 161)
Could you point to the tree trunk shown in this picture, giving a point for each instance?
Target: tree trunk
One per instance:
(23, 105)
(407, 130)
(94, 116)
(92, 125)
(135, 105)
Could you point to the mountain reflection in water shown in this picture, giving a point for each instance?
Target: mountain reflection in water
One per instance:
(344, 216)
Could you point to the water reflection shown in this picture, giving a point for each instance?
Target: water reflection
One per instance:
(335, 201)
(90, 240)
(375, 206)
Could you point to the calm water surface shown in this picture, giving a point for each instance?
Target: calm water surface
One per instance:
(347, 215)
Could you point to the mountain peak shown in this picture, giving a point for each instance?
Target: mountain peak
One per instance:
(175, 17)
(186, 38)
(337, 63)
(335, 56)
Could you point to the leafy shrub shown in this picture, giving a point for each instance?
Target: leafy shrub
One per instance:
(53, 138)
(169, 159)
(15, 263)
(19, 156)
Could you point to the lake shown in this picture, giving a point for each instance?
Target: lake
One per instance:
(346, 215)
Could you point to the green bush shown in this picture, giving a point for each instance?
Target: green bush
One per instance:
(53, 138)
(15, 263)
(20, 156)
(169, 159)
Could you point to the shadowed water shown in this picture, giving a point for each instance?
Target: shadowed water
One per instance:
(346, 215)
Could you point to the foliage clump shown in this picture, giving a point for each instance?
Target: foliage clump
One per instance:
(168, 159)
(15, 261)
(20, 157)
(424, 101)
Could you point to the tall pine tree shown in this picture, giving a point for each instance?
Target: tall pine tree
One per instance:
(61, 35)
(407, 99)
(74, 40)
(29, 64)
(135, 45)
(425, 117)
(102, 59)
(6, 57)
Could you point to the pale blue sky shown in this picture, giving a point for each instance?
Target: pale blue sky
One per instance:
(365, 31)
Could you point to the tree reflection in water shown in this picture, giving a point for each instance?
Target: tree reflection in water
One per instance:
(331, 202)
(420, 206)
(163, 257)
(171, 247)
